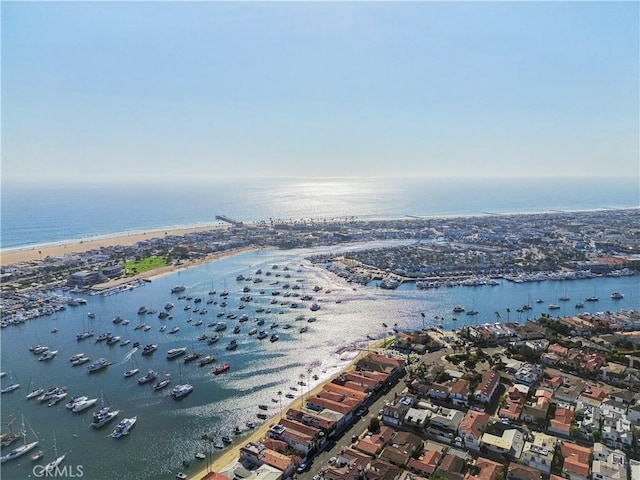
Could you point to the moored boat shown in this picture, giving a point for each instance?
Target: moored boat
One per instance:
(124, 427)
(221, 369)
(182, 390)
(176, 352)
(147, 377)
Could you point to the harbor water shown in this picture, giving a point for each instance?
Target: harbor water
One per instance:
(168, 432)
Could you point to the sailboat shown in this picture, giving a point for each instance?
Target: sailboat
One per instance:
(565, 297)
(22, 449)
(51, 466)
(134, 368)
(11, 387)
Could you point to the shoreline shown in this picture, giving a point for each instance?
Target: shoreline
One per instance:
(233, 453)
(59, 249)
(37, 252)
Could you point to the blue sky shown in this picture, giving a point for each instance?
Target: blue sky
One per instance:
(162, 89)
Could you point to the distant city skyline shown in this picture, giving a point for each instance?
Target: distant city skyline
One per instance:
(120, 90)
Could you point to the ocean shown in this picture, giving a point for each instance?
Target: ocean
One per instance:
(40, 214)
(168, 432)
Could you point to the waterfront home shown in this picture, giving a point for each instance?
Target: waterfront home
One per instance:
(375, 362)
(295, 440)
(256, 454)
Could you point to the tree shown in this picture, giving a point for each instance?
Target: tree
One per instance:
(374, 425)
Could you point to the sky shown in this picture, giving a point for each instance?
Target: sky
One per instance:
(109, 90)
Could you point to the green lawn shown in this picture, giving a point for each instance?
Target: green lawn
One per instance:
(138, 266)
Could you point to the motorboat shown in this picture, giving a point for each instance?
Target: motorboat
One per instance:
(35, 393)
(274, 338)
(175, 329)
(221, 369)
(105, 418)
(617, 296)
(148, 377)
(76, 357)
(48, 355)
(72, 403)
(84, 404)
(206, 360)
(176, 352)
(124, 427)
(163, 383)
(182, 390)
(80, 361)
(191, 357)
(232, 345)
(98, 365)
(149, 349)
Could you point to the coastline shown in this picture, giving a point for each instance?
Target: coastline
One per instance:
(233, 454)
(36, 253)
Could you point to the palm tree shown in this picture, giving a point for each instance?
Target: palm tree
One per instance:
(279, 394)
(508, 312)
(497, 314)
(209, 440)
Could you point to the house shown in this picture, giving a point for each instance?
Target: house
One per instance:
(470, 429)
(459, 392)
(576, 461)
(608, 464)
(484, 469)
(528, 374)
(416, 418)
(394, 414)
(561, 422)
(537, 411)
(510, 443)
(438, 391)
(514, 403)
(451, 467)
(517, 471)
(426, 463)
(381, 470)
(487, 386)
(612, 372)
(350, 465)
(539, 453)
(375, 443)
(446, 419)
(401, 448)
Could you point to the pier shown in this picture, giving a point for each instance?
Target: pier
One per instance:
(226, 219)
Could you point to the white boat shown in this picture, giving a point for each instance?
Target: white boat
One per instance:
(38, 349)
(617, 296)
(57, 398)
(176, 352)
(76, 357)
(149, 349)
(124, 427)
(84, 404)
(72, 403)
(105, 418)
(133, 370)
(50, 467)
(162, 383)
(175, 329)
(147, 377)
(48, 355)
(35, 393)
(182, 390)
(10, 388)
(22, 449)
(80, 361)
(98, 365)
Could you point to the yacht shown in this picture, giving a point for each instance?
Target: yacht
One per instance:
(57, 398)
(314, 307)
(207, 360)
(176, 352)
(182, 390)
(220, 326)
(80, 361)
(232, 345)
(123, 428)
(221, 369)
(76, 357)
(38, 349)
(191, 357)
(10, 388)
(554, 306)
(458, 309)
(236, 329)
(163, 383)
(178, 289)
(274, 338)
(303, 329)
(48, 355)
(104, 418)
(84, 404)
(35, 393)
(253, 331)
(72, 403)
(617, 296)
(98, 365)
(147, 377)
(112, 340)
(18, 451)
(262, 334)
(213, 339)
(149, 349)
(175, 329)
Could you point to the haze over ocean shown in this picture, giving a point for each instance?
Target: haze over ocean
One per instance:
(40, 214)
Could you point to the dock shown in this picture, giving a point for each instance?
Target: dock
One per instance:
(224, 218)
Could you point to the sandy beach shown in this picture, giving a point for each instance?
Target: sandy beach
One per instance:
(260, 432)
(8, 257)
